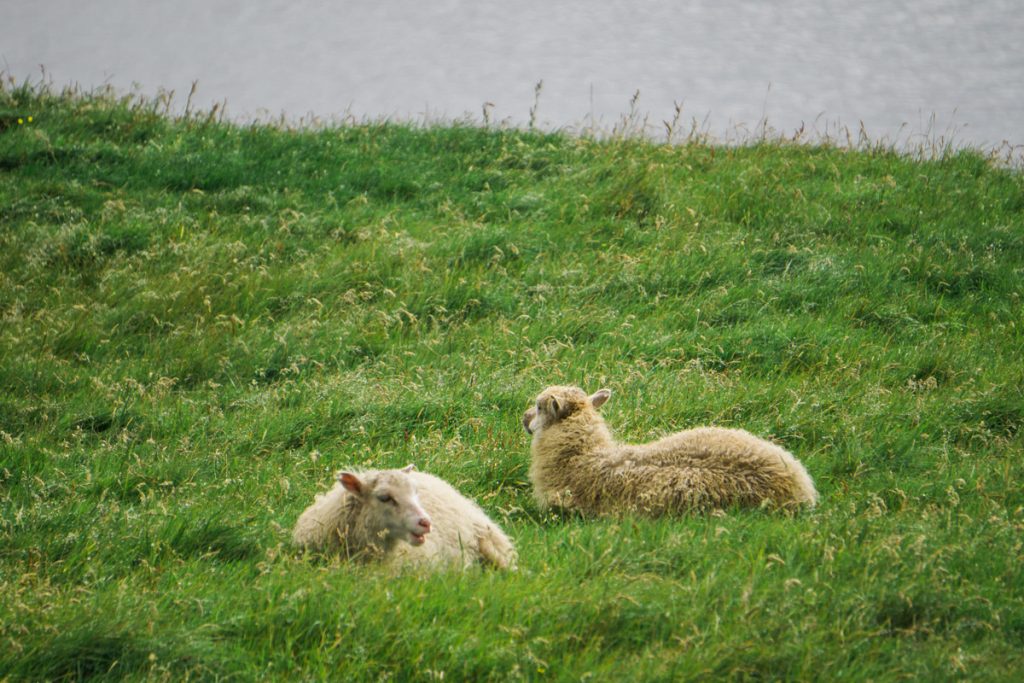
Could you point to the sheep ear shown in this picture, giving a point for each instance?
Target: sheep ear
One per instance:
(409, 468)
(553, 408)
(351, 483)
(599, 397)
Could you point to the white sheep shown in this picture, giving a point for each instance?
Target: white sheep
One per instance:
(577, 465)
(402, 517)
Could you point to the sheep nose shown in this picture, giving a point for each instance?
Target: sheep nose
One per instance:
(425, 523)
(527, 419)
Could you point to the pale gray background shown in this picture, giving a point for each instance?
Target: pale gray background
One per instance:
(905, 69)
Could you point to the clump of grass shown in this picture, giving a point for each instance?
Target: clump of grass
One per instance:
(201, 321)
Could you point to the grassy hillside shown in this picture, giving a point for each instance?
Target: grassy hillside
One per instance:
(200, 322)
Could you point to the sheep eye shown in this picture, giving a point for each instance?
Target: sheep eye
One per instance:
(385, 498)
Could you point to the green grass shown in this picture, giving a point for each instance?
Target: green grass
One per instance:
(199, 322)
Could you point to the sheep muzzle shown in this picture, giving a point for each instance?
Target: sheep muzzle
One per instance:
(528, 418)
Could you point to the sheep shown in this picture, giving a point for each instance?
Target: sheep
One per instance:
(402, 517)
(577, 465)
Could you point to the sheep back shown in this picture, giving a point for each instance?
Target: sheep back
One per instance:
(710, 468)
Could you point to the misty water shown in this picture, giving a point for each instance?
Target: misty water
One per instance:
(950, 70)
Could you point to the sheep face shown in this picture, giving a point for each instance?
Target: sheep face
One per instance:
(390, 503)
(555, 404)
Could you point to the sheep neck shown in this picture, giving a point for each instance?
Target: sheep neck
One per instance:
(359, 537)
(585, 435)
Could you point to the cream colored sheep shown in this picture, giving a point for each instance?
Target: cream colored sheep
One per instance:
(577, 465)
(402, 517)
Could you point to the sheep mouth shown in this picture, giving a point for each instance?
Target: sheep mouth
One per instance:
(417, 538)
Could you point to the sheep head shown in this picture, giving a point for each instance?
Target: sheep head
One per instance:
(557, 403)
(390, 502)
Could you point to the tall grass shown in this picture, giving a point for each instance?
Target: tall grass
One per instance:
(201, 321)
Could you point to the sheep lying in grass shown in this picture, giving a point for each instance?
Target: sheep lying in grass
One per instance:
(577, 465)
(402, 517)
